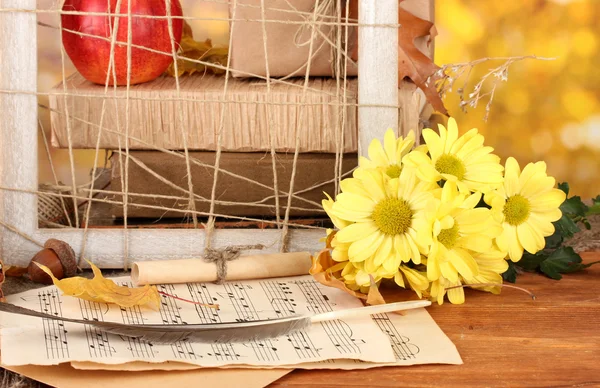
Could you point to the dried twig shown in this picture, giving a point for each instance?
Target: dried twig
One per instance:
(451, 73)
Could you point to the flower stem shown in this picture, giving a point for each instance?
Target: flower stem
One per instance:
(495, 285)
(212, 306)
(595, 209)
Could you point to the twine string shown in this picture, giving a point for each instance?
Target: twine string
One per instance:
(221, 257)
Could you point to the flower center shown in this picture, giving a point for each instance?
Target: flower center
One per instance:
(393, 171)
(449, 236)
(516, 210)
(450, 164)
(392, 216)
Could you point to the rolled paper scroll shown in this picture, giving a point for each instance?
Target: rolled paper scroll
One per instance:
(198, 270)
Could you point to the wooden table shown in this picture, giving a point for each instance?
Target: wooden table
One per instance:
(506, 340)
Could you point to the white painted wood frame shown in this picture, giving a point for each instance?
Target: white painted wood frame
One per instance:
(378, 85)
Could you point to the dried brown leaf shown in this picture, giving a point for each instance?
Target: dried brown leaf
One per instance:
(374, 296)
(198, 51)
(322, 270)
(412, 62)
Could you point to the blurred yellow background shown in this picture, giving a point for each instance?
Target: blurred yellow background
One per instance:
(545, 111)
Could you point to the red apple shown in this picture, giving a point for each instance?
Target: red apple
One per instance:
(90, 52)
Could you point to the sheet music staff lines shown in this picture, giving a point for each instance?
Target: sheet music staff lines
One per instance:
(303, 345)
(200, 294)
(281, 297)
(241, 301)
(338, 332)
(133, 316)
(55, 335)
(184, 350)
(170, 312)
(97, 340)
(403, 348)
(224, 352)
(264, 350)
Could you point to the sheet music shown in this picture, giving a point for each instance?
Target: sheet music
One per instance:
(336, 344)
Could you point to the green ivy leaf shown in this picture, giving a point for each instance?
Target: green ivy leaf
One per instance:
(531, 262)
(574, 206)
(566, 226)
(595, 208)
(511, 273)
(554, 241)
(564, 186)
(561, 261)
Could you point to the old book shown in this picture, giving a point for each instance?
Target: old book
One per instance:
(245, 185)
(319, 118)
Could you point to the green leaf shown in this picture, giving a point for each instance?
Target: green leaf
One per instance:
(561, 261)
(574, 206)
(554, 241)
(566, 226)
(531, 262)
(595, 208)
(511, 273)
(564, 186)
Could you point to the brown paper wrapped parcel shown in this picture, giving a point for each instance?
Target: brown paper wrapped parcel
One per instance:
(287, 39)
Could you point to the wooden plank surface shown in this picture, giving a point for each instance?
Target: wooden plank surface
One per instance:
(506, 340)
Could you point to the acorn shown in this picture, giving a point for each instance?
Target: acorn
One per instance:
(58, 256)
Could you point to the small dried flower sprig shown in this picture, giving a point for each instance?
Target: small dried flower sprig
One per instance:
(451, 74)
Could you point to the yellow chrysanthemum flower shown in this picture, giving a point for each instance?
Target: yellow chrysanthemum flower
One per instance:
(491, 265)
(417, 280)
(439, 289)
(463, 160)
(390, 224)
(460, 230)
(388, 158)
(526, 204)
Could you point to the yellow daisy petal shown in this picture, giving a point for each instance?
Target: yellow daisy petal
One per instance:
(531, 240)
(376, 153)
(464, 263)
(515, 249)
(549, 199)
(389, 145)
(356, 232)
(433, 141)
(511, 177)
(361, 249)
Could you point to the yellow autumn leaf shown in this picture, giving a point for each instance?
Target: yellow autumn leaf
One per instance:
(102, 290)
